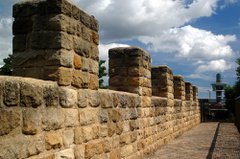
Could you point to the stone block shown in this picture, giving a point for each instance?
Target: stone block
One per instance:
(95, 37)
(58, 7)
(126, 150)
(53, 140)
(31, 121)
(10, 120)
(85, 134)
(77, 61)
(31, 95)
(85, 64)
(11, 93)
(53, 118)
(25, 9)
(94, 52)
(88, 116)
(68, 137)
(85, 19)
(81, 47)
(51, 40)
(67, 97)
(59, 22)
(60, 74)
(104, 118)
(82, 98)
(51, 95)
(61, 57)
(93, 148)
(94, 98)
(19, 43)
(79, 151)
(94, 82)
(93, 66)
(106, 99)
(65, 154)
(80, 79)
(22, 26)
(71, 117)
(111, 129)
(86, 34)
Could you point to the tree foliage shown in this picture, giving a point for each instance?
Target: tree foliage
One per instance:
(6, 69)
(102, 73)
(231, 93)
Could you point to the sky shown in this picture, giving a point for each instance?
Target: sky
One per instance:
(195, 38)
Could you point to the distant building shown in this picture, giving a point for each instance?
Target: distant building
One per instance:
(219, 87)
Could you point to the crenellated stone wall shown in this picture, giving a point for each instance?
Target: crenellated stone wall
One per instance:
(63, 114)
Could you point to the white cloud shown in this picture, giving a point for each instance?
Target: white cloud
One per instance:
(200, 76)
(124, 19)
(103, 49)
(215, 66)
(192, 43)
(228, 3)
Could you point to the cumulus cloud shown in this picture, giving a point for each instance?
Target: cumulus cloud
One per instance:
(103, 49)
(215, 65)
(192, 43)
(124, 19)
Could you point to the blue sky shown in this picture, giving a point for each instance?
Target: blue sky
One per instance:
(195, 38)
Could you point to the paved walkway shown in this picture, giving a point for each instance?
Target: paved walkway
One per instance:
(205, 141)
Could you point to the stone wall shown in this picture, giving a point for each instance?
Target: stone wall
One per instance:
(40, 119)
(68, 116)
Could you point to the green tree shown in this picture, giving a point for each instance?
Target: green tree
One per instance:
(102, 73)
(6, 69)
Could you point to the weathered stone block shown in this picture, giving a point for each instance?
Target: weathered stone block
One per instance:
(82, 98)
(25, 9)
(19, 43)
(81, 47)
(80, 79)
(93, 148)
(94, 82)
(53, 140)
(85, 64)
(11, 93)
(71, 117)
(94, 98)
(58, 7)
(106, 99)
(22, 26)
(68, 137)
(51, 40)
(9, 119)
(104, 116)
(59, 22)
(67, 97)
(65, 154)
(79, 151)
(95, 37)
(60, 74)
(51, 95)
(31, 95)
(60, 58)
(53, 118)
(31, 121)
(77, 61)
(88, 116)
(85, 134)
